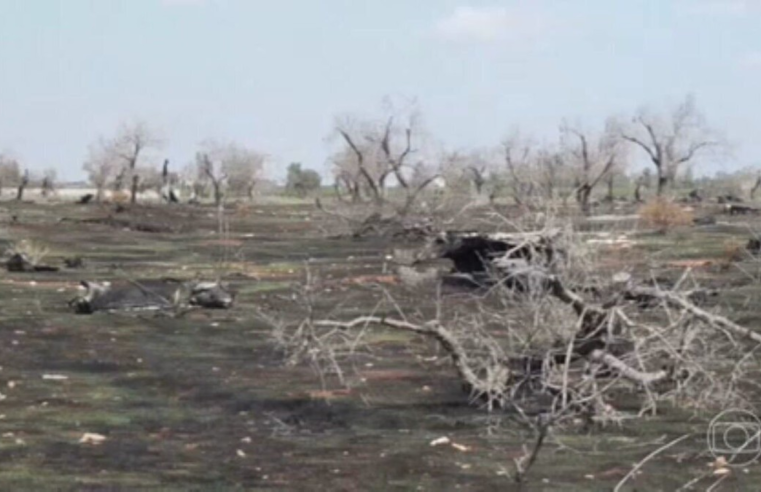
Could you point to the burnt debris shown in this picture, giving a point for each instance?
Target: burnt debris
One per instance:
(19, 262)
(519, 260)
(85, 199)
(733, 209)
(150, 295)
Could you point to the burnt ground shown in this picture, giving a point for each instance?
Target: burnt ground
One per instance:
(205, 402)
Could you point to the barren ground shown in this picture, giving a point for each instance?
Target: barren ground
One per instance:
(204, 401)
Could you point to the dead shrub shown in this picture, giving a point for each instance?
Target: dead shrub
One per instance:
(664, 215)
(33, 252)
(732, 252)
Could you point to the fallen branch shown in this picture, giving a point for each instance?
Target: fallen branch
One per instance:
(626, 371)
(701, 314)
(445, 338)
(648, 458)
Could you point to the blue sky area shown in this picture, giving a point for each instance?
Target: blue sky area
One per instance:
(273, 74)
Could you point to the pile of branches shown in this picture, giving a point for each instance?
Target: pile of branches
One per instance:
(578, 347)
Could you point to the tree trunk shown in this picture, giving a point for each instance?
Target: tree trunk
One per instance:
(356, 196)
(218, 195)
(637, 192)
(250, 192)
(663, 182)
(133, 191)
(609, 197)
(478, 181)
(755, 188)
(583, 193)
(22, 186)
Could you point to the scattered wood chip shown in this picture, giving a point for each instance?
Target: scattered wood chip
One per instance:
(54, 377)
(92, 438)
(720, 462)
(722, 471)
(461, 447)
(440, 441)
(240, 453)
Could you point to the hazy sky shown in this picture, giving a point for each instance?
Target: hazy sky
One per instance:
(273, 73)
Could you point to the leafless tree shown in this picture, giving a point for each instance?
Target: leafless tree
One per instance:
(101, 166)
(594, 158)
(47, 185)
(555, 175)
(213, 173)
(10, 173)
(228, 166)
(465, 171)
(116, 159)
(23, 183)
(150, 179)
(520, 160)
(245, 169)
(671, 141)
(374, 150)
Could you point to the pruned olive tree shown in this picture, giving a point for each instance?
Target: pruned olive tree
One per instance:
(672, 140)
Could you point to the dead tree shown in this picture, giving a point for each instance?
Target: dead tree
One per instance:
(214, 174)
(670, 142)
(519, 162)
(48, 182)
(10, 173)
(116, 159)
(23, 182)
(660, 340)
(594, 159)
(755, 187)
(374, 184)
(376, 150)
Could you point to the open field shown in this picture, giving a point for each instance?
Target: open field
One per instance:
(205, 402)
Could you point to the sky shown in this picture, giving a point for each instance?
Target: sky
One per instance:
(273, 75)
